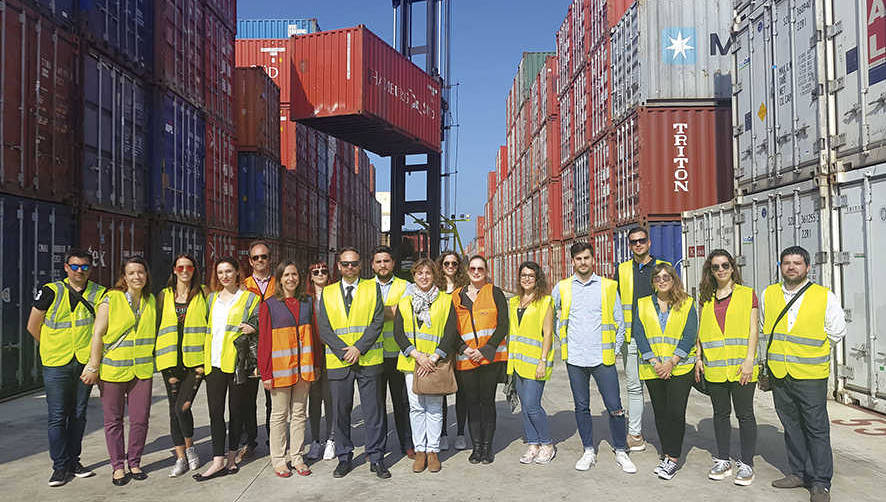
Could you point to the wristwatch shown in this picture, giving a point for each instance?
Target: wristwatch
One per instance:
(91, 369)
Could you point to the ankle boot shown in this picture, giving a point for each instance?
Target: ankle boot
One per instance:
(434, 462)
(478, 453)
(488, 455)
(420, 462)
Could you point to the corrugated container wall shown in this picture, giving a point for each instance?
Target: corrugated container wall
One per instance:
(704, 230)
(177, 176)
(272, 55)
(275, 28)
(122, 29)
(581, 187)
(259, 195)
(257, 116)
(178, 48)
(111, 238)
(219, 244)
(63, 11)
(218, 85)
(602, 190)
(221, 178)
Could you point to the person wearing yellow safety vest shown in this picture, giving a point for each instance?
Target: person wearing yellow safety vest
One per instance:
(233, 315)
(589, 321)
(482, 353)
(634, 278)
(666, 326)
(61, 322)
(727, 350)
(453, 275)
(392, 288)
(425, 332)
(178, 353)
(799, 363)
(122, 350)
(350, 321)
(530, 358)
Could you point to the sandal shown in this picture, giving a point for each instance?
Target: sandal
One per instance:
(302, 470)
(283, 474)
(234, 469)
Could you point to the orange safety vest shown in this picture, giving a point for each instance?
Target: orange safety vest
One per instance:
(484, 319)
(252, 286)
(292, 356)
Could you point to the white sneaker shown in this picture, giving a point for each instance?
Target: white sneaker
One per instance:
(659, 467)
(444, 443)
(668, 470)
(329, 452)
(744, 475)
(180, 467)
(461, 443)
(587, 460)
(623, 460)
(193, 458)
(720, 470)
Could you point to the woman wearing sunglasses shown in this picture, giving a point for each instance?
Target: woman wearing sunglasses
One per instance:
(453, 273)
(178, 354)
(319, 397)
(727, 350)
(482, 314)
(665, 327)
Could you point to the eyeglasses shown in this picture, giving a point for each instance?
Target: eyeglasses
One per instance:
(76, 267)
(477, 269)
(352, 264)
(259, 257)
(450, 263)
(662, 278)
(184, 268)
(642, 240)
(320, 271)
(716, 266)
(527, 276)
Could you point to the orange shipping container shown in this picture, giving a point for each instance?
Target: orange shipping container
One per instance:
(270, 54)
(257, 116)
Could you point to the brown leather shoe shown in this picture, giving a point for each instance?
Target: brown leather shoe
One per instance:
(410, 453)
(789, 481)
(434, 462)
(421, 461)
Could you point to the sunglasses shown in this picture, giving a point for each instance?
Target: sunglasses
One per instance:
(352, 264)
(76, 267)
(716, 266)
(259, 257)
(662, 278)
(642, 240)
(184, 268)
(320, 271)
(450, 263)
(477, 269)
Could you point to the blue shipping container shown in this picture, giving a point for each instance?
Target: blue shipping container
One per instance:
(179, 147)
(667, 242)
(275, 28)
(63, 10)
(168, 240)
(124, 28)
(35, 237)
(259, 186)
(116, 116)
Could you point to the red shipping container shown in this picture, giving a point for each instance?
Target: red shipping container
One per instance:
(615, 9)
(219, 244)
(354, 86)
(221, 177)
(243, 254)
(551, 105)
(270, 54)
(257, 101)
(564, 52)
(291, 149)
(602, 179)
(490, 185)
(219, 65)
(599, 92)
(40, 93)
(670, 160)
(604, 252)
(226, 10)
(291, 202)
(111, 239)
(179, 42)
(555, 210)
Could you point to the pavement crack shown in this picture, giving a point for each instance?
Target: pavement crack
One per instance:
(254, 478)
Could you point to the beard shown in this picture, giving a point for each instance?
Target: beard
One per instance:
(792, 283)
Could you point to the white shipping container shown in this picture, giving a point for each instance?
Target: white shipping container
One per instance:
(705, 230)
(601, 168)
(581, 187)
(567, 183)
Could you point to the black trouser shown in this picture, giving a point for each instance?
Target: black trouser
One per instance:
(802, 408)
(394, 379)
(181, 396)
(669, 399)
(725, 396)
(317, 396)
(218, 386)
(461, 412)
(268, 414)
(479, 390)
(247, 393)
(372, 403)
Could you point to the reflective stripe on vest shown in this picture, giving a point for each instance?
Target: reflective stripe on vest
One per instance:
(349, 326)
(626, 292)
(608, 289)
(485, 320)
(526, 338)
(723, 351)
(133, 357)
(292, 357)
(240, 312)
(425, 339)
(804, 351)
(65, 334)
(664, 344)
(195, 329)
(389, 345)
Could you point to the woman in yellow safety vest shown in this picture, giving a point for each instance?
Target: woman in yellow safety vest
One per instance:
(530, 358)
(233, 312)
(181, 307)
(666, 326)
(451, 270)
(727, 349)
(425, 331)
(123, 352)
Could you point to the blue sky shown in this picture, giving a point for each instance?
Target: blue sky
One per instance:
(488, 38)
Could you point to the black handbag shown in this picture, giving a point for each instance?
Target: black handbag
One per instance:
(764, 378)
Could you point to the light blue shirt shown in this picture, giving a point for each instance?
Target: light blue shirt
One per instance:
(586, 322)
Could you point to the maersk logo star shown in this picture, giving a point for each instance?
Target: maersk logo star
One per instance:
(678, 45)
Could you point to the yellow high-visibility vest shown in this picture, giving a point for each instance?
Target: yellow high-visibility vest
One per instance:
(389, 345)
(664, 343)
(240, 312)
(526, 338)
(133, 357)
(426, 339)
(349, 326)
(804, 351)
(66, 334)
(195, 330)
(608, 289)
(626, 291)
(723, 351)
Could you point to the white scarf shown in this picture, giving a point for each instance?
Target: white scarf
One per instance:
(421, 302)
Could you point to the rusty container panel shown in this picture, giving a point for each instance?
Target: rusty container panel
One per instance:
(219, 244)
(179, 42)
(257, 112)
(39, 96)
(354, 86)
(219, 65)
(221, 177)
(672, 159)
(111, 239)
(270, 54)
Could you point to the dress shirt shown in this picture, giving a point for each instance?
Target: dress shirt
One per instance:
(834, 316)
(585, 324)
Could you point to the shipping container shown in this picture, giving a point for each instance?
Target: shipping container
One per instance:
(356, 87)
(39, 96)
(276, 28)
(564, 52)
(123, 29)
(292, 203)
(179, 43)
(666, 238)
(111, 239)
(704, 230)
(64, 11)
(226, 11)
(219, 244)
(697, 142)
(177, 178)
(170, 239)
(602, 189)
(218, 84)
(581, 188)
(35, 237)
(271, 54)
(259, 195)
(671, 50)
(604, 252)
(116, 122)
(490, 185)
(221, 178)
(599, 92)
(258, 114)
(567, 182)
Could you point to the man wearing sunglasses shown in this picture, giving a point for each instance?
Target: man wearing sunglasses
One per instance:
(350, 322)
(61, 321)
(634, 278)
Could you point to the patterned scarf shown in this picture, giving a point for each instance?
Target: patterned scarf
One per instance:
(421, 302)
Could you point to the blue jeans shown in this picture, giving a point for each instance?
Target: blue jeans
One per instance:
(66, 400)
(425, 417)
(535, 419)
(607, 383)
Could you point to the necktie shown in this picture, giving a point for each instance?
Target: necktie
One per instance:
(349, 297)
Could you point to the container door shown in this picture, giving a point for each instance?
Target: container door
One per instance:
(799, 224)
(693, 249)
(759, 249)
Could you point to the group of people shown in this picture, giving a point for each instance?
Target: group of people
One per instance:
(307, 342)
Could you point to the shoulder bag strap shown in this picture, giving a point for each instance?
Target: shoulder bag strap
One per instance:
(79, 297)
(782, 314)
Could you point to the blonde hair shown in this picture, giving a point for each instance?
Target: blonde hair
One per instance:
(677, 294)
